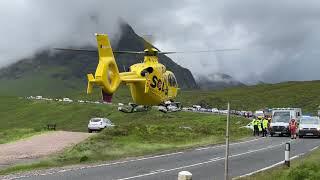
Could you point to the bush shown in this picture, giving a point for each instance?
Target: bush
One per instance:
(117, 131)
(84, 158)
(307, 171)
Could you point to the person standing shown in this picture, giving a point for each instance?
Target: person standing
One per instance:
(255, 127)
(293, 128)
(259, 123)
(265, 124)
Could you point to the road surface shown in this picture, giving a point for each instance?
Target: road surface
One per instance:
(204, 163)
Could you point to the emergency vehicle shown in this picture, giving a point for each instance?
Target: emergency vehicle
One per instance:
(280, 120)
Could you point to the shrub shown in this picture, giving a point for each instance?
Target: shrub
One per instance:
(307, 171)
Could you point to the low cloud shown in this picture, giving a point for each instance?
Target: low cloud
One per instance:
(278, 39)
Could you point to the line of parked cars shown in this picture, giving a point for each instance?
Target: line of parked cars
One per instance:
(198, 108)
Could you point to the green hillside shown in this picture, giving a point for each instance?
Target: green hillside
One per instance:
(287, 94)
(35, 114)
(135, 134)
(41, 82)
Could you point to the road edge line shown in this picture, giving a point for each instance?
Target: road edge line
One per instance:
(273, 165)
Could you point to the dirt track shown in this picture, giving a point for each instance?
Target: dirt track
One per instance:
(38, 146)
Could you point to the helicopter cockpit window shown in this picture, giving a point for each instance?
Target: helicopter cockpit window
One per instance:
(172, 80)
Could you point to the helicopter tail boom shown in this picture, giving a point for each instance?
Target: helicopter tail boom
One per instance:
(107, 74)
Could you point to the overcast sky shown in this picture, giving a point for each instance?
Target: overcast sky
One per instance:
(278, 38)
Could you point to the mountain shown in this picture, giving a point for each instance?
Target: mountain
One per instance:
(216, 81)
(64, 73)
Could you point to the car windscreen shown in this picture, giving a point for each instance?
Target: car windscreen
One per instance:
(310, 120)
(281, 117)
(95, 120)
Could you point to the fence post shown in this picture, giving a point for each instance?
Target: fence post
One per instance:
(226, 165)
(287, 155)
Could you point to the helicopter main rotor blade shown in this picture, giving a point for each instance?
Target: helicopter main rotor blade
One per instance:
(94, 50)
(71, 49)
(129, 52)
(215, 50)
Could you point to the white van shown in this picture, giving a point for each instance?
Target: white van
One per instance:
(259, 114)
(281, 118)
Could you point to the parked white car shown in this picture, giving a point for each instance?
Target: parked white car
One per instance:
(215, 110)
(67, 100)
(98, 124)
(173, 108)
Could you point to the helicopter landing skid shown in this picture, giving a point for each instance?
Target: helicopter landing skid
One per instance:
(132, 108)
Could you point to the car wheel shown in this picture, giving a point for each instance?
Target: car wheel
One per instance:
(89, 131)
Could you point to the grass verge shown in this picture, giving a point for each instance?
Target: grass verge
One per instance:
(305, 168)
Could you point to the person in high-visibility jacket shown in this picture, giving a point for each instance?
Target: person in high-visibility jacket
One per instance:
(265, 124)
(259, 125)
(255, 127)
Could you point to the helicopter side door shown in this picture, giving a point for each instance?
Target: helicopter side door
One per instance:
(173, 86)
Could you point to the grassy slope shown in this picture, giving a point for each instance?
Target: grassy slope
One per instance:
(43, 84)
(299, 94)
(289, 94)
(136, 134)
(302, 169)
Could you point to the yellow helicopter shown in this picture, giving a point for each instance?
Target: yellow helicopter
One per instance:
(150, 82)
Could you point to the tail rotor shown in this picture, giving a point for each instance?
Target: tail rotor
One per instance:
(107, 74)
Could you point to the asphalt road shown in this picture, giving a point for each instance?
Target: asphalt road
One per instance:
(203, 163)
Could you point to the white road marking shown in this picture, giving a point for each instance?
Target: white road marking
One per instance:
(271, 166)
(100, 165)
(214, 147)
(158, 170)
(133, 160)
(153, 157)
(314, 148)
(168, 170)
(213, 159)
(192, 165)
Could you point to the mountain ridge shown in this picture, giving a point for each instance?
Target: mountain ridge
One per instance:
(217, 81)
(66, 71)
